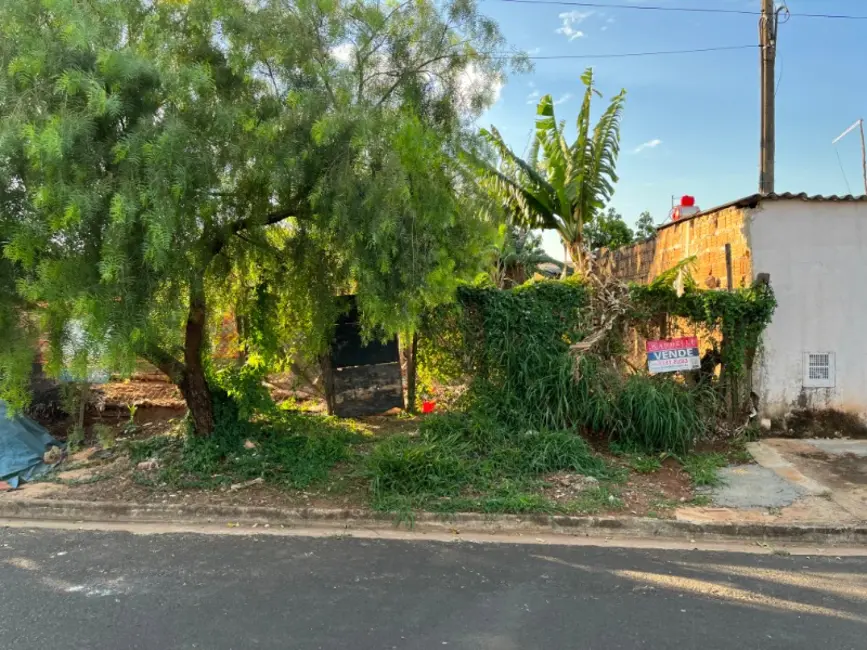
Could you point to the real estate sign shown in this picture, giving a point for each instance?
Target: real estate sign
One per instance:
(673, 355)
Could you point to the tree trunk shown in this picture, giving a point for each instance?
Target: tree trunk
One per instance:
(410, 354)
(194, 384)
(576, 252)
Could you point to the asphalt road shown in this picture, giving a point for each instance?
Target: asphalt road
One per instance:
(61, 589)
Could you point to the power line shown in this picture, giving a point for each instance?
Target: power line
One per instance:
(621, 55)
(695, 10)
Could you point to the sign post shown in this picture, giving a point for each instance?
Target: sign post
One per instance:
(673, 355)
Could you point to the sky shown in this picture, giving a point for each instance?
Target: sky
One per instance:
(691, 123)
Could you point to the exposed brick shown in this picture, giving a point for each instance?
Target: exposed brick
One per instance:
(704, 237)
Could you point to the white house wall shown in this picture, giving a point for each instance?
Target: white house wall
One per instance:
(816, 254)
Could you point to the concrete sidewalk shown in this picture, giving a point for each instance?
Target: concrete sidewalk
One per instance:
(811, 481)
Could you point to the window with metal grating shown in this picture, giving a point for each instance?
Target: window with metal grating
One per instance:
(819, 370)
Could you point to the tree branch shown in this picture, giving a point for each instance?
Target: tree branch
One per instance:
(166, 363)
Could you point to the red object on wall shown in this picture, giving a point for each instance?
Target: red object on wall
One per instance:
(428, 407)
(687, 208)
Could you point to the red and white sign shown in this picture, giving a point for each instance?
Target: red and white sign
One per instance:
(673, 355)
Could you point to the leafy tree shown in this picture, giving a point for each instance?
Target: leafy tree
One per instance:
(561, 186)
(171, 159)
(645, 228)
(608, 230)
(518, 257)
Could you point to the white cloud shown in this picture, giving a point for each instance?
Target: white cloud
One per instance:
(610, 21)
(604, 28)
(534, 51)
(533, 97)
(650, 144)
(570, 20)
(565, 98)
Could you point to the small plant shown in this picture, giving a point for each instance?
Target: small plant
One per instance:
(645, 464)
(704, 468)
(105, 435)
(130, 427)
(75, 438)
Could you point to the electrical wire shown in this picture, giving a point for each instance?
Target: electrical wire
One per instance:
(695, 10)
(621, 55)
(840, 162)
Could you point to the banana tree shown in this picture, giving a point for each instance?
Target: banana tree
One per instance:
(560, 186)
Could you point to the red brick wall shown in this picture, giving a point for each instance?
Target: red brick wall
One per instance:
(704, 237)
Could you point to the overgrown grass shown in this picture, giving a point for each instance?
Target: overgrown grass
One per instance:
(468, 461)
(285, 448)
(704, 468)
(657, 414)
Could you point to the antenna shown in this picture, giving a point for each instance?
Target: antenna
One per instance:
(858, 124)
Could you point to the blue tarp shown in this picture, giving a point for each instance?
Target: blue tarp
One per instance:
(22, 445)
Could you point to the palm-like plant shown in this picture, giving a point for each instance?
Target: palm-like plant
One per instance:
(518, 258)
(560, 186)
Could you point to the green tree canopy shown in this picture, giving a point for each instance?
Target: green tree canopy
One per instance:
(645, 228)
(608, 230)
(561, 186)
(168, 159)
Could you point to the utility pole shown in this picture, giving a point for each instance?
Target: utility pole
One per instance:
(768, 53)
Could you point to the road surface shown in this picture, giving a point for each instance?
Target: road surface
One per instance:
(95, 590)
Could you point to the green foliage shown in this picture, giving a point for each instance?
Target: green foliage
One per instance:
(166, 159)
(460, 454)
(75, 438)
(607, 230)
(562, 186)
(513, 348)
(645, 464)
(739, 316)
(659, 414)
(704, 468)
(105, 435)
(645, 227)
(518, 257)
(286, 449)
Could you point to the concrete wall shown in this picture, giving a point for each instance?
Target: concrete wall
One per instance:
(704, 237)
(816, 254)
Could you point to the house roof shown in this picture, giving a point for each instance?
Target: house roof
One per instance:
(754, 199)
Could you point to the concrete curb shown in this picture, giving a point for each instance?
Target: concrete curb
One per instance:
(349, 519)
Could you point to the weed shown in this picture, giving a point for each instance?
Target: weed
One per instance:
(645, 464)
(130, 427)
(703, 468)
(700, 501)
(738, 452)
(105, 435)
(75, 438)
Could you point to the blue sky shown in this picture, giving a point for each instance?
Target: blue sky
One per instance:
(691, 124)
